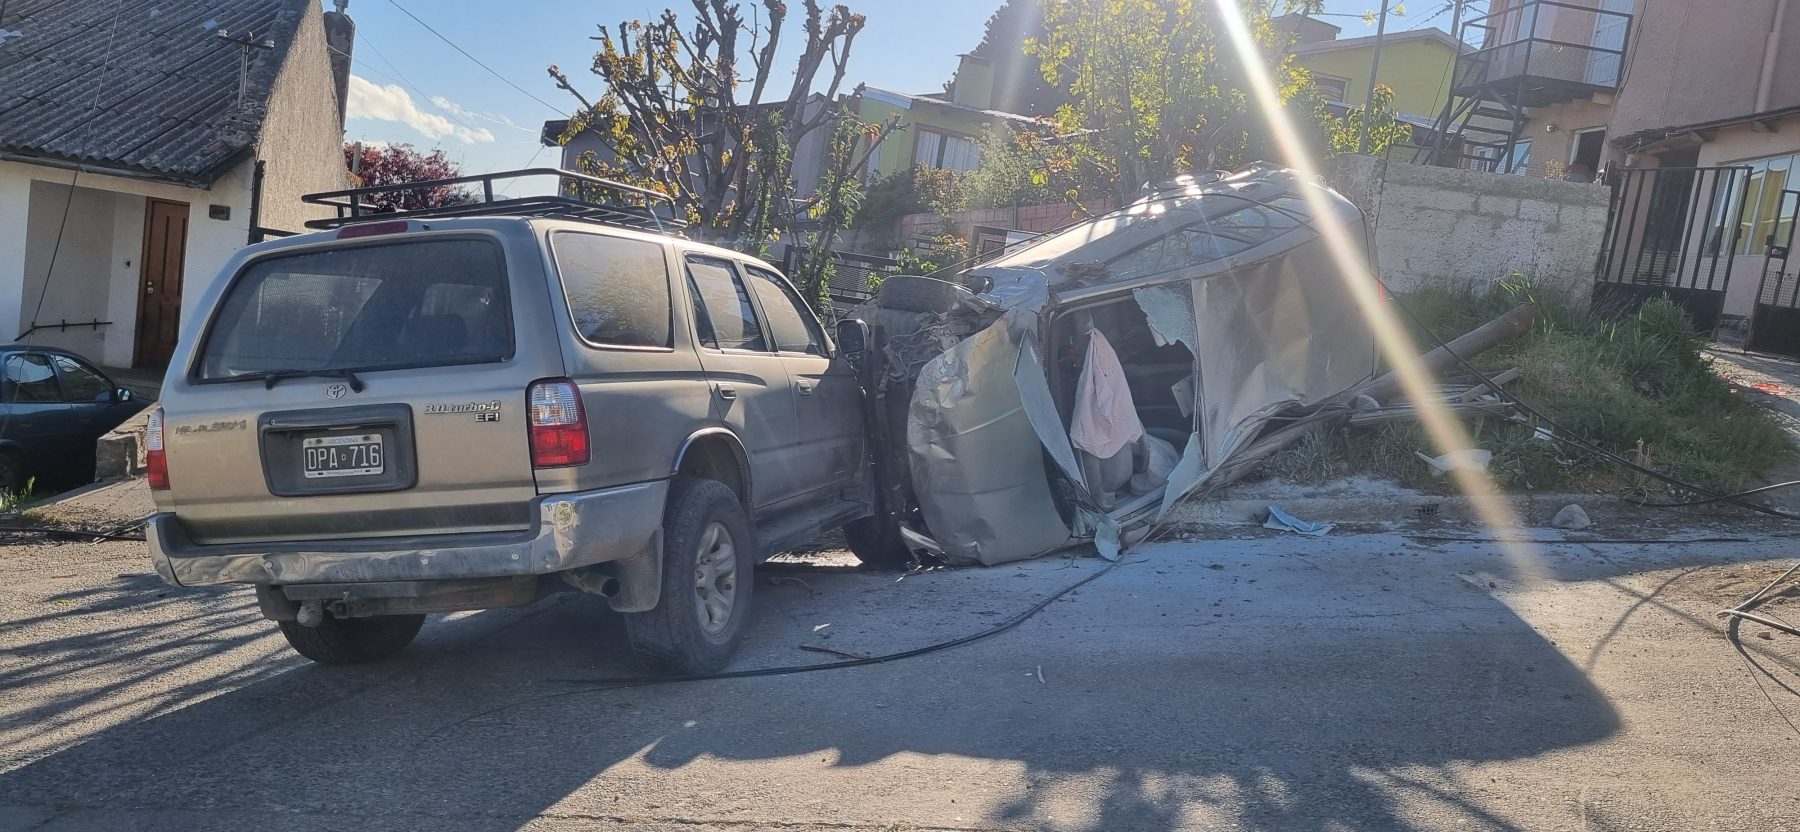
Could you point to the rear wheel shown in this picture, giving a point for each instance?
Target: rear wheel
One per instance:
(352, 640)
(708, 553)
(877, 543)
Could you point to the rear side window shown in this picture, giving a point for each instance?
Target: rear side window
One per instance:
(618, 289)
(29, 379)
(791, 324)
(726, 319)
(432, 303)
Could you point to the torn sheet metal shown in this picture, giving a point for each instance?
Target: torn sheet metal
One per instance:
(977, 464)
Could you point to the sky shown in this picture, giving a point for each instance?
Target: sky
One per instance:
(410, 86)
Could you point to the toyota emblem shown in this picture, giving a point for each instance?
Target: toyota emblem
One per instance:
(336, 391)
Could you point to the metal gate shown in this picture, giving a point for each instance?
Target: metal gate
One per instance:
(1671, 231)
(1775, 322)
(852, 276)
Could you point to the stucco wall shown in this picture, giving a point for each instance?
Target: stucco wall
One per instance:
(1443, 225)
(1697, 61)
(210, 243)
(302, 143)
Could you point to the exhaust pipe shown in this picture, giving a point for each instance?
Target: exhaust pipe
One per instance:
(311, 614)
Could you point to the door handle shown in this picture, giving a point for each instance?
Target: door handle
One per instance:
(806, 387)
(727, 391)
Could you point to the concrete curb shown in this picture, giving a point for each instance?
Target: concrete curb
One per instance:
(1531, 509)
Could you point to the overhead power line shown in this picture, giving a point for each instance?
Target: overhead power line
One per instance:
(465, 53)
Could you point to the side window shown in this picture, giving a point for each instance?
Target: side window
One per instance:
(82, 384)
(30, 379)
(725, 318)
(618, 289)
(791, 324)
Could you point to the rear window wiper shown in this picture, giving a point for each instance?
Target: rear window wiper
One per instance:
(269, 377)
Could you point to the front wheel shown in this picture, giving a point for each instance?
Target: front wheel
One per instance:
(708, 552)
(352, 640)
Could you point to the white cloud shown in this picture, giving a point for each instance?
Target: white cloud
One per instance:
(459, 110)
(392, 103)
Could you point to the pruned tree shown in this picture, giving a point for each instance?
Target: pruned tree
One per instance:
(1156, 88)
(393, 164)
(675, 118)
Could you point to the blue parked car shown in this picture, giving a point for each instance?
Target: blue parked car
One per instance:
(53, 405)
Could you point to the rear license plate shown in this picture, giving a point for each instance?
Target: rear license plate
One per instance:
(357, 455)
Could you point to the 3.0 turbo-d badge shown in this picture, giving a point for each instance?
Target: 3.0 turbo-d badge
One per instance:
(484, 411)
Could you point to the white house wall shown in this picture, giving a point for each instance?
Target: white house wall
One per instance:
(118, 234)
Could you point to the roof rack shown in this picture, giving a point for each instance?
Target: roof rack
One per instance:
(576, 196)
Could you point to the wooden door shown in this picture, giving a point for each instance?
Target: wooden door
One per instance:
(159, 284)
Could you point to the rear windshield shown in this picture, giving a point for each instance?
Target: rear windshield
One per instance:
(431, 303)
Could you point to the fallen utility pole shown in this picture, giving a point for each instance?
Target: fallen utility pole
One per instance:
(1468, 345)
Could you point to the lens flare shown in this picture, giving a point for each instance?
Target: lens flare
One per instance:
(1396, 346)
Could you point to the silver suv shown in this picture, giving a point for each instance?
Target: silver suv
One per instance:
(417, 414)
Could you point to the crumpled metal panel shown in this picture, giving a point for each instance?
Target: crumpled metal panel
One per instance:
(977, 463)
(1275, 334)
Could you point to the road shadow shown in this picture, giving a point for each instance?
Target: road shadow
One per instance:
(1282, 712)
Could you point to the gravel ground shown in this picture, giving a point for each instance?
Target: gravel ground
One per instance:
(1360, 681)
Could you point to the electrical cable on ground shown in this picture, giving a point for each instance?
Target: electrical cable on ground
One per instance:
(1708, 500)
(602, 684)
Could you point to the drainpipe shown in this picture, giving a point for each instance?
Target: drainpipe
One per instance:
(1771, 48)
(256, 195)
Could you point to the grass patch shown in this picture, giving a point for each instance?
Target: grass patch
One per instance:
(1637, 384)
(10, 501)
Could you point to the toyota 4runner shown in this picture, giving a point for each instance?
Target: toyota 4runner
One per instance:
(412, 413)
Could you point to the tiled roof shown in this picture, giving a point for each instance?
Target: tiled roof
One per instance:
(162, 100)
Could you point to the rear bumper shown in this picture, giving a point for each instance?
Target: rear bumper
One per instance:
(567, 531)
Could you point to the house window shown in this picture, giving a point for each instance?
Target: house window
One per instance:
(943, 150)
(1331, 89)
(1762, 209)
(1520, 160)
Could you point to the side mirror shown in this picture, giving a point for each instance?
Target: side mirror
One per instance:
(123, 394)
(852, 338)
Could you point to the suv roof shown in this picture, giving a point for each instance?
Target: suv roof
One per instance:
(574, 196)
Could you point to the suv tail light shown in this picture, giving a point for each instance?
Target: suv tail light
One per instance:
(156, 463)
(559, 432)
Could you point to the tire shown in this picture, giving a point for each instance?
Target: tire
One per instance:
(12, 473)
(877, 543)
(352, 640)
(709, 550)
(912, 293)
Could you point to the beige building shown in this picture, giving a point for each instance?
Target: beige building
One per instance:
(1577, 88)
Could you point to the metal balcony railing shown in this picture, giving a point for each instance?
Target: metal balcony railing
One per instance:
(1543, 52)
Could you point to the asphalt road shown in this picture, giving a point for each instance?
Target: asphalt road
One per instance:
(1354, 682)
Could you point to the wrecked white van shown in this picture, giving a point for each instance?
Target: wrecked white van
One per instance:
(1077, 388)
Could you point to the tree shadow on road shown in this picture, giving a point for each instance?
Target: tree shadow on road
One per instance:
(1269, 717)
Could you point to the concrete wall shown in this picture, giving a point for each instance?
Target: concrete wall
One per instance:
(118, 238)
(302, 142)
(1442, 225)
(1031, 218)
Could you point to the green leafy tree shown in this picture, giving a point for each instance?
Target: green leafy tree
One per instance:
(1385, 126)
(1157, 90)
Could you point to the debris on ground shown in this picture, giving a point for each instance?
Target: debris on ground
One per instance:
(1469, 459)
(1282, 521)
